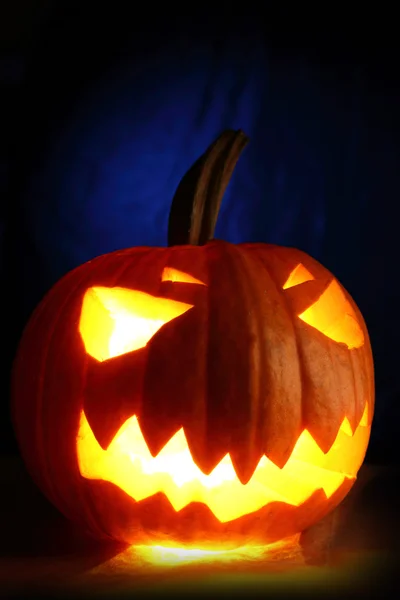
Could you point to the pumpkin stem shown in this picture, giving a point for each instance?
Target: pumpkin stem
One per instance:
(197, 200)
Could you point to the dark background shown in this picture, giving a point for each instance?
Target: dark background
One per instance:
(104, 109)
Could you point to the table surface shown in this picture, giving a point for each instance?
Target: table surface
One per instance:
(351, 549)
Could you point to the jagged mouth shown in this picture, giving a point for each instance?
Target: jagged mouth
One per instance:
(128, 464)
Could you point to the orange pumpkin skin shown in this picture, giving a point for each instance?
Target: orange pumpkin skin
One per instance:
(239, 371)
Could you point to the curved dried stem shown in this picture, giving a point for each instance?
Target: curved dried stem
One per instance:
(197, 200)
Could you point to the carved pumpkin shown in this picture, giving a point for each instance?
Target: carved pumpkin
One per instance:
(204, 393)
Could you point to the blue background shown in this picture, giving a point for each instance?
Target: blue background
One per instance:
(110, 112)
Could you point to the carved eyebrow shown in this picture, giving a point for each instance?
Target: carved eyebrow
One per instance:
(170, 274)
(298, 276)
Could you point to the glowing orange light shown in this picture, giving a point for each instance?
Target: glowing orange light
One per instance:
(172, 555)
(116, 320)
(332, 314)
(129, 464)
(299, 275)
(170, 274)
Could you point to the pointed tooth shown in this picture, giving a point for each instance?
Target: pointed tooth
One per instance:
(246, 447)
(322, 420)
(205, 455)
(327, 383)
(167, 390)
(157, 432)
(325, 436)
(112, 393)
(283, 420)
(209, 440)
(207, 426)
(245, 465)
(279, 454)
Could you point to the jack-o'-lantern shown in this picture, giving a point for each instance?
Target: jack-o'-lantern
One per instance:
(205, 393)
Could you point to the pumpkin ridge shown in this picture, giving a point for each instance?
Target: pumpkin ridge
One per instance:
(246, 459)
(261, 255)
(299, 350)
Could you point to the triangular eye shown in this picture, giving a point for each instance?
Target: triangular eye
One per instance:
(116, 320)
(331, 314)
